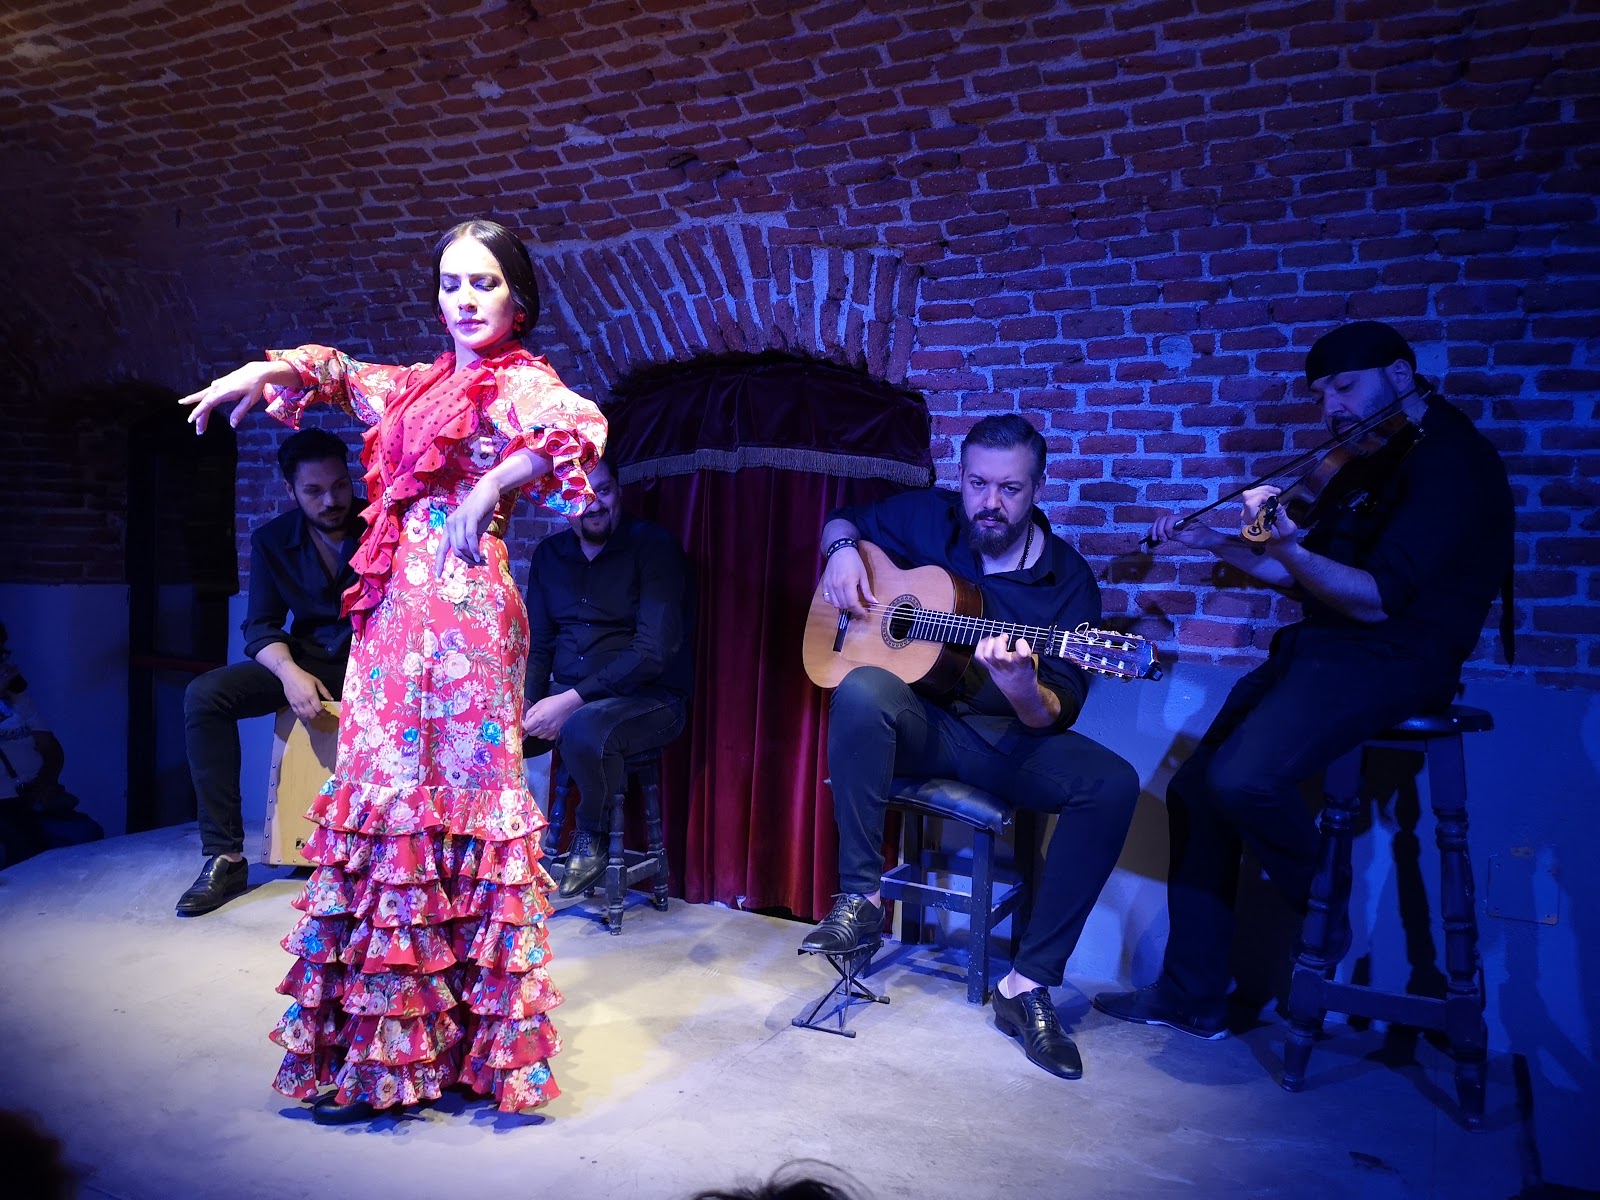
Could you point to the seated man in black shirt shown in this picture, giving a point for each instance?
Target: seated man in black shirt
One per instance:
(609, 664)
(299, 563)
(1007, 730)
(1396, 567)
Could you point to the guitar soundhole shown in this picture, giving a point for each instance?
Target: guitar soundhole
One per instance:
(897, 622)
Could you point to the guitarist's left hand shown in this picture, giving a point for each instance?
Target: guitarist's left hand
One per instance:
(1013, 670)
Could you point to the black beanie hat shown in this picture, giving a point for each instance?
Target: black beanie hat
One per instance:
(1359, 346)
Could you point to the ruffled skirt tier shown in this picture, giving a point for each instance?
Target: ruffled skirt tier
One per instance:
(420, 957)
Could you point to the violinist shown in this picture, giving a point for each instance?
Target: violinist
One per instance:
(1395, 563)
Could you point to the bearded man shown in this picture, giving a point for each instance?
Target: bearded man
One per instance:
(1007, 728)
(1395, 567)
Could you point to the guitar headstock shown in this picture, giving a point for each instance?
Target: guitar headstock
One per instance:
(1107, 652)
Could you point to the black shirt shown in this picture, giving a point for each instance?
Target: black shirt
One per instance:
(1429, 515)
(287, 575)
(924, 528)
(612, 626)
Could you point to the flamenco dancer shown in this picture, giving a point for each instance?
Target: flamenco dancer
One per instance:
(421, 960)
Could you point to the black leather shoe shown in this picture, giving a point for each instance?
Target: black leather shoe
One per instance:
(853, 923)
(219, 881)
(1147, 1007)
(585, 865)
(1031, 1018)
(328, 1110)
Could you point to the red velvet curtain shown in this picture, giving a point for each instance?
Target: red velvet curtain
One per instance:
(748, 820)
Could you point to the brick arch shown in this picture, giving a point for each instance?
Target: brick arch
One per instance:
(715, 289)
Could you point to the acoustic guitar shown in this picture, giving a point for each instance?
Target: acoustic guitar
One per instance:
(926, 632)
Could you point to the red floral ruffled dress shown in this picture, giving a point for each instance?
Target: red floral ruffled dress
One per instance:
(421, 957)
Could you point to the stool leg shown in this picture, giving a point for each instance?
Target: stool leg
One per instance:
(911, 915)
(657, 848)
(616, 863)
(1327, 910)
(978, 908)
(1463, 1006)
(560, 793)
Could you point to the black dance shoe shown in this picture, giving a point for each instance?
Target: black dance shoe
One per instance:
(219, 881)
(328, 1110)
(585, 865)
(853, 923)
(1031, 1018)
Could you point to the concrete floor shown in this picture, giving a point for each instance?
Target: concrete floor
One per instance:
(139, 1039)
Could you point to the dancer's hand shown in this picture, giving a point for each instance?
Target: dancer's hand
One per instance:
(244, 385)
(464, 528)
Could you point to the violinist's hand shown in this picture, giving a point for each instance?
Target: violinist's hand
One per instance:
(845, 584)
(1283, 529)
(1194, 535)
(464, 528)
(243, 385)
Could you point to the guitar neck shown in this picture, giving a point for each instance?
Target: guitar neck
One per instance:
(954, 630)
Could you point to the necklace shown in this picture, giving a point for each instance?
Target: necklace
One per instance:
(1027, 544)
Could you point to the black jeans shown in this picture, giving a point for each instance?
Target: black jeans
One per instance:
(598, 736)
(1318, 696)
(878, 727)
(213, 706)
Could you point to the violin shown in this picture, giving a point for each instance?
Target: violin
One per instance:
(1325, 461)
(1298, 499)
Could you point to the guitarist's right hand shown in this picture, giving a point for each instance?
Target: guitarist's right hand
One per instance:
(845, 584)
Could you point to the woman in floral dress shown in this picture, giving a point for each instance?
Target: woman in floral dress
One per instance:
(421, 957)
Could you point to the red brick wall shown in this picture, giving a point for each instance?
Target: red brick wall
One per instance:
(1127, 219)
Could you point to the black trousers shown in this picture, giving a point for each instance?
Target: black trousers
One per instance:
(878, 727)
(213, 706)
(1319, 695)
(599, 736)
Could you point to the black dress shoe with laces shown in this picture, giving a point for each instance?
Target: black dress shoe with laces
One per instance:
(585, 865)
(1030, 1017)
(853, 923)
(219, 881)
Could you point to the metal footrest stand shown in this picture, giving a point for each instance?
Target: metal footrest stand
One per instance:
(849, 990)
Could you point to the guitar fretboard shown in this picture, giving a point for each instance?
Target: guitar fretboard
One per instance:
(954, 630)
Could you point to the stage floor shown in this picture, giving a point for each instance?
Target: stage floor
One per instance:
(140, 1040)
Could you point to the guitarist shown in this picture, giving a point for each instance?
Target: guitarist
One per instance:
(1006, 730)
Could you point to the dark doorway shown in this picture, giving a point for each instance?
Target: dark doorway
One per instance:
(182, 565)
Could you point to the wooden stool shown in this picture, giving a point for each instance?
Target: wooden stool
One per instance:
(987, 817)
(1324, 939)
(302, 761)
(624, 867)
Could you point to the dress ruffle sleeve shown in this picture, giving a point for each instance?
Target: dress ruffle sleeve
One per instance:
(329, 376)
(535, 411)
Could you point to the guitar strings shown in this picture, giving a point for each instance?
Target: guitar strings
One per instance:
(927, 619)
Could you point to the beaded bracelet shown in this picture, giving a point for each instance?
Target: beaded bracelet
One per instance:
(840, 544)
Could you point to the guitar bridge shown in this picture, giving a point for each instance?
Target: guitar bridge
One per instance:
(838, 638)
